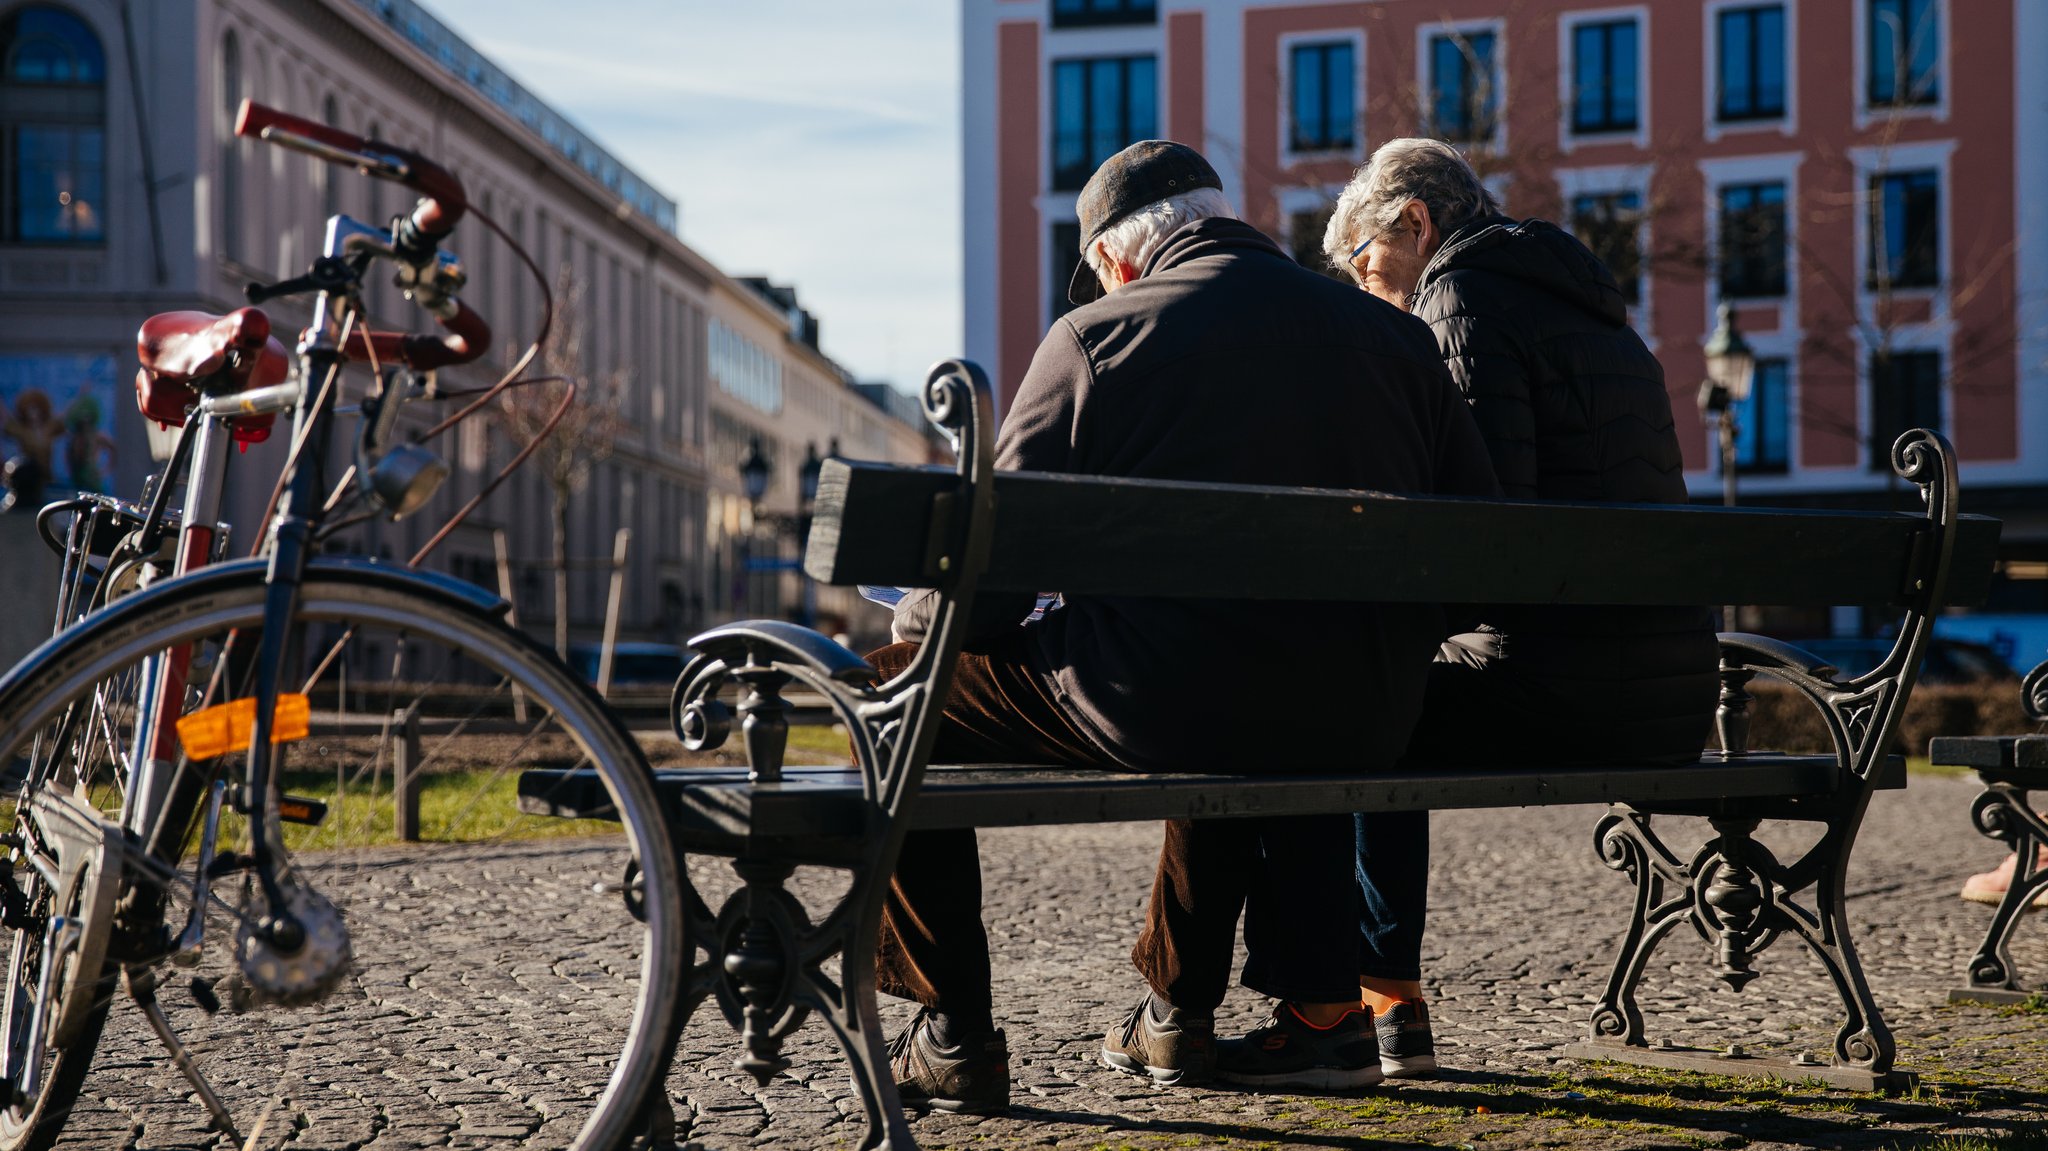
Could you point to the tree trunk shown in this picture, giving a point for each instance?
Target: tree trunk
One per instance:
(562, 571)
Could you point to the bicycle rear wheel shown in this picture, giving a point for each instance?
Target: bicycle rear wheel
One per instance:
(505, 976)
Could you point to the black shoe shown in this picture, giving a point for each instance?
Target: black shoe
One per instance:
(1291, 1052)
(1179, 1049)
(972, 1076)
(1407, 1047)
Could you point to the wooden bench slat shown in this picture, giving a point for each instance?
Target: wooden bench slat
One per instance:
(1098, 535)
(826, 801)
(2008, 758)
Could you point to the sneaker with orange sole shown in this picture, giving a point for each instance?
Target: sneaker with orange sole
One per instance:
(1292, 1052)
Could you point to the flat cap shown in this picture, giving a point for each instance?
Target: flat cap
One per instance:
(1144, 173)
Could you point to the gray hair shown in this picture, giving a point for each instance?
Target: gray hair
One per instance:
(1401, 170)
(1134, 238)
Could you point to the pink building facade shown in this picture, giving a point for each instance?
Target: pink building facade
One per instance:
(1862, 179)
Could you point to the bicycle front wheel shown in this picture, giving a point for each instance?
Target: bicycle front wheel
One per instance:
(476, 970)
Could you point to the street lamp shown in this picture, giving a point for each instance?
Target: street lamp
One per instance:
(807, 476)
(754, 471)
(1731, 369)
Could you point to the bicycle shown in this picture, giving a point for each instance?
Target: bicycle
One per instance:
(168, 722)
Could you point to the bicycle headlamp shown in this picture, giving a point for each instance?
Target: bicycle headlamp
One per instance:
(406, 478)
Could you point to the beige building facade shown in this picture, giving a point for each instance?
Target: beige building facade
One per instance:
(129, 195)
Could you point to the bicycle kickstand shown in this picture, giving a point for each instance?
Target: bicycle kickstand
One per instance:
(141, 983)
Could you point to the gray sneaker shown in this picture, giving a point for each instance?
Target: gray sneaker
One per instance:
(1407, 1047)
(1178, 1050)
(972, 1077)
(1292, 1052)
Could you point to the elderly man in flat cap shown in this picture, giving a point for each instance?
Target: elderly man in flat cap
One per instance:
(1199, 352)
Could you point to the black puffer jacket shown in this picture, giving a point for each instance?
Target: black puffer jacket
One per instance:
(1573, 407)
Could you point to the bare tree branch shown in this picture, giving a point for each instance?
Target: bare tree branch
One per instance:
(581, 437)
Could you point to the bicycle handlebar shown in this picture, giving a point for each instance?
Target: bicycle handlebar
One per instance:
(442, 205)
(444, 201)
(468, 338)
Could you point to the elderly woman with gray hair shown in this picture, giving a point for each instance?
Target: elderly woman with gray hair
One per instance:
(1572, 406)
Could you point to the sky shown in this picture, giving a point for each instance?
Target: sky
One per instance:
(811, 141)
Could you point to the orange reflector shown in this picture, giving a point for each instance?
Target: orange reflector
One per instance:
(227, 727)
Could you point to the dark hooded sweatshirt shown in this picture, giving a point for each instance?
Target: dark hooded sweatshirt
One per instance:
(1573, 407)
(1228, 363)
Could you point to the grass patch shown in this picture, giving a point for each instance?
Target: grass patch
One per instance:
(2018, 1141)
(2035, 1004)
(455, 807)
(813, 744)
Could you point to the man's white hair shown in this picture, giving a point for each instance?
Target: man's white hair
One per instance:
(1137, 236)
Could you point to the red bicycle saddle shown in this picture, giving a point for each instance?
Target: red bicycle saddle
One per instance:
(185, 353)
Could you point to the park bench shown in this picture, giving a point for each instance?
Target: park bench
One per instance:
(2009, 766)
(763, 957)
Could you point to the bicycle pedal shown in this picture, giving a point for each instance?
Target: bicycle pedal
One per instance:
(290, 808)
(204, 995)
(298, 809)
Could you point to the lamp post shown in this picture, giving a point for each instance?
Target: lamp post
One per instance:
(754, 472)
(1731, 369)
(807, 495)
(754, 481)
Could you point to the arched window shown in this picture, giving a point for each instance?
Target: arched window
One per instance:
(231, 222)
(53, 128)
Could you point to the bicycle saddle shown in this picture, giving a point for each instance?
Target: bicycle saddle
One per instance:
(184, 353)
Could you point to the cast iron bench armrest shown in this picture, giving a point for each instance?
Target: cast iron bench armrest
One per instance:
(1764, 653)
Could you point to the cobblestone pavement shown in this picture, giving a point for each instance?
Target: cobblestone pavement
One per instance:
(1524, 919)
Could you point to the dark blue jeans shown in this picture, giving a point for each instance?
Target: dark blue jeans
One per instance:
(1393, 892)
(1475, 713)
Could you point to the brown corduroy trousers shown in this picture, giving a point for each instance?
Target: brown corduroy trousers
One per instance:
(1293, 877)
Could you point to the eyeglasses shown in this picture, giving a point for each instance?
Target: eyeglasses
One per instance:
(1360, 249)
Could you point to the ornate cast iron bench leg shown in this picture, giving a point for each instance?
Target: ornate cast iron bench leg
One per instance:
(1734, 892)
(2002, 812)
(1739, 899)
(763, 958)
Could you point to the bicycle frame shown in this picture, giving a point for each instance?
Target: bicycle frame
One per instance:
(431, 278)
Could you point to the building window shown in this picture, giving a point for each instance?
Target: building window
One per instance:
(1610, 225)
(742, 368)
(1905, 47)
(1905, 230)
(53, 150)
(1066, 254)
(1099, 108)
(1305, 230)
(1753, 240)
(1463, 86)
(1905, 393)
(1763, 422)
(1092, 13)
(1323, 108)
(1604, 77)
(1752, 58)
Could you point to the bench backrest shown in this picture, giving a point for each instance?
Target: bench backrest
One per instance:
(878, 524)
(973, 529)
